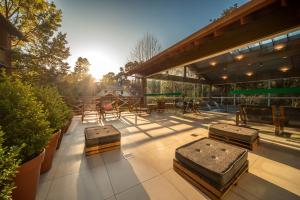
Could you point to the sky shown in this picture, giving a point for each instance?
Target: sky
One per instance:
(106, 31)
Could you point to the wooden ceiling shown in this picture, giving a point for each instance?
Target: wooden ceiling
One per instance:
(253, 21)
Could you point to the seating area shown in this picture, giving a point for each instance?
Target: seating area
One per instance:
(144, 166)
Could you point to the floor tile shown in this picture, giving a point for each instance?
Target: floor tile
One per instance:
(160, 188)
(43, 190)
(86, 185)
(142, 168)
(189, 191)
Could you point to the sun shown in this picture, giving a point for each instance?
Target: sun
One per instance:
(101, 62)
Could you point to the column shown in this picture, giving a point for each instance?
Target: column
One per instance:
(144, 89)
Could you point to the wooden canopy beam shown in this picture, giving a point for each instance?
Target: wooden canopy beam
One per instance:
(271, 19)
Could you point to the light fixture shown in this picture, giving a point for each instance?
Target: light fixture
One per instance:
(213, 63)
(284, 69)
(239, 57)
(249, 74)
(279, 46)
(224, 77)
(285, 57)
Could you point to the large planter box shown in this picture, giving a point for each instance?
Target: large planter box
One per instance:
(27, 179)
(50, 151)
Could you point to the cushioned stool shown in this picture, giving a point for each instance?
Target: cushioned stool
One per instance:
(211, 165)
(241, 136)
(101, 138)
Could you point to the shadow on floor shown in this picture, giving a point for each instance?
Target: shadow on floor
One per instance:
(279, 154)
(251, 186)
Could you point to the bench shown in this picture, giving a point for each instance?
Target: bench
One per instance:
(240, 136)
(99, 139)
(211, 166)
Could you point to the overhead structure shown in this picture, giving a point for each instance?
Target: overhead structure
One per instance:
(258, 41)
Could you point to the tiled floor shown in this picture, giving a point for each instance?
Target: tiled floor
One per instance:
(142, 169)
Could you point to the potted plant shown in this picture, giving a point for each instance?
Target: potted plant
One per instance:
(8, 165)
(58, 113)
(25, 125)
(160, 103)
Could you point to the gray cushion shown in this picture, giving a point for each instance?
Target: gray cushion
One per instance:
(214, 161)
(101, 135)
(234, 132)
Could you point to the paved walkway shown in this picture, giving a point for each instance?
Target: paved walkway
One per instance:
(142, 169)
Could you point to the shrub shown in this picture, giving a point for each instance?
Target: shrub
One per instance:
(58, 111)
(22, 118)
(8, 166)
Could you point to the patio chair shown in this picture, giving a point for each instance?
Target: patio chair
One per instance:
(109, 109)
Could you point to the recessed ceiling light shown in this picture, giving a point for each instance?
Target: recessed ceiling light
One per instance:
(224, 77)
(239, 57)
(213, 63)
(249, 74)
(284, 69)
(284, 57)
(279, 46)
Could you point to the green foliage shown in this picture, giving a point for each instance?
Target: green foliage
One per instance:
(42, 57)
(8, 166)
(58, 111)
(22, 118)
(46, 63)
(108, 79)
(34, 18)
(81, 68)
(226, 12)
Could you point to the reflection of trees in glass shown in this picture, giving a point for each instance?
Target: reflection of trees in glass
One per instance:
(166, 87)
(153, 86)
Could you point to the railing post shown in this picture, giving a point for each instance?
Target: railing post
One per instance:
(144, 90)
(269, 95)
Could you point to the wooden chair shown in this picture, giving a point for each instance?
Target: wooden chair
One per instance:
(109, 108)
(289, 117)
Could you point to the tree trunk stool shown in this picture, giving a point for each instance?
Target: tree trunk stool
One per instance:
(101, 138)
(240, 136)
(210, 165)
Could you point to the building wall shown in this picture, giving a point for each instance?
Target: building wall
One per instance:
(4, 45)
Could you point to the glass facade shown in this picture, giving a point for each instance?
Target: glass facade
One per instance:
(189, 80)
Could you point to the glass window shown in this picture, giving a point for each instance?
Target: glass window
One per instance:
(281, 38)
(294, 35)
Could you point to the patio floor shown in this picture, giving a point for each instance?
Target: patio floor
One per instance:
(142, 168)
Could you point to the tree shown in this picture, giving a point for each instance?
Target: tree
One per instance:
(226, 12)
(34, 18)
(108, 79)
(130, 65)
(42, 57)
(146, 48)
(47, 61)
(81, 68)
